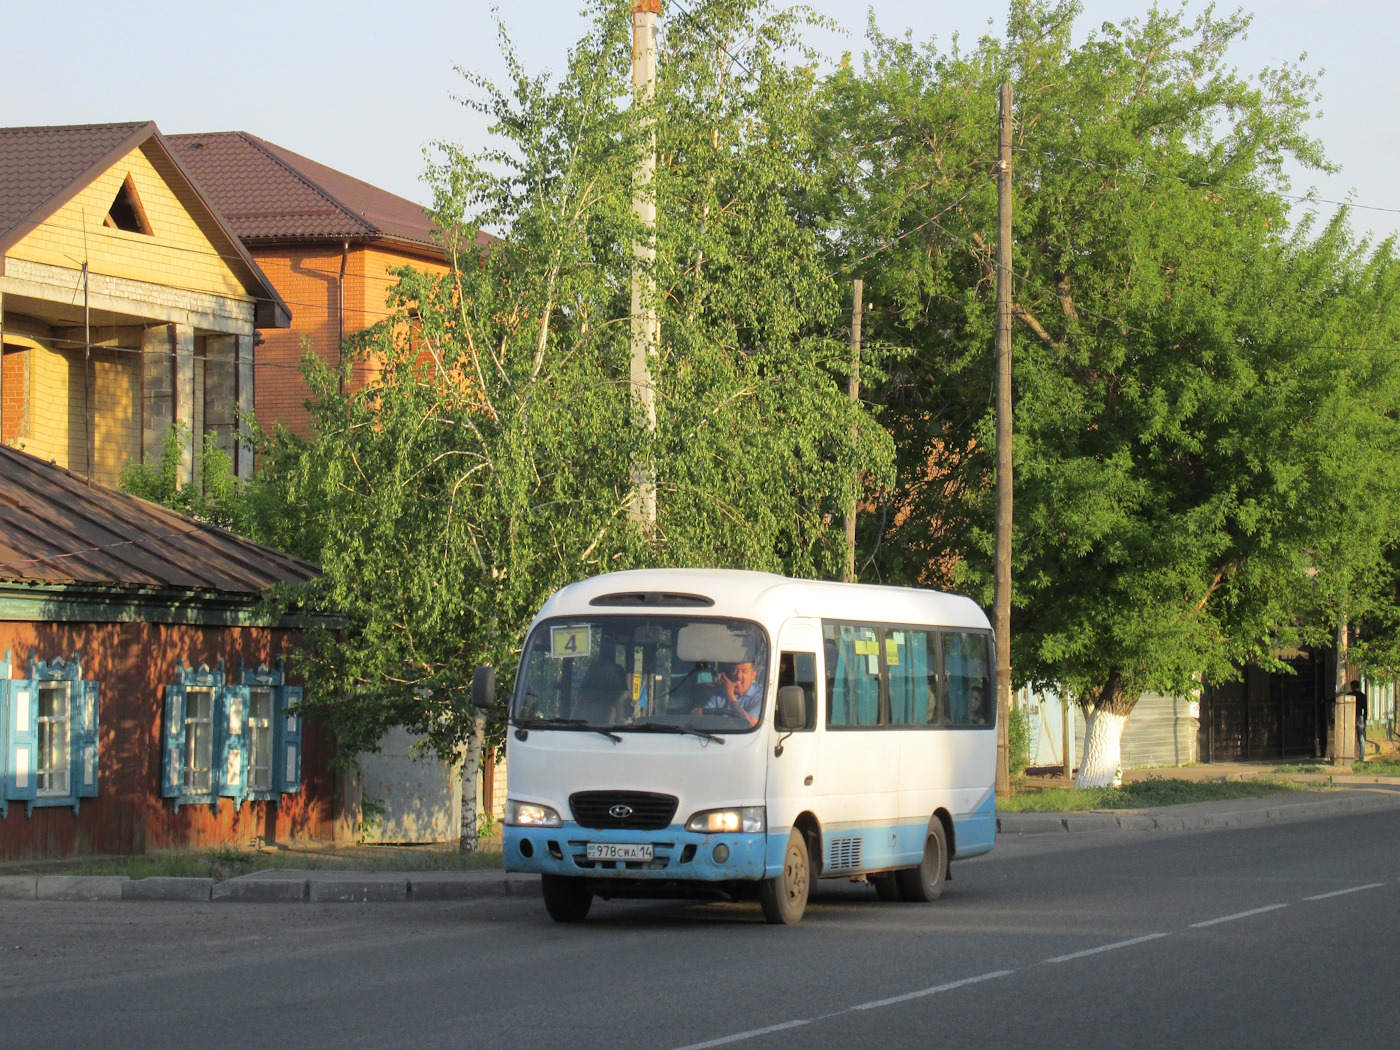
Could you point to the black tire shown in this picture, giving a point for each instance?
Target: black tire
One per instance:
(784, 898)
(925, 883)
(566, 899)
(886, 888)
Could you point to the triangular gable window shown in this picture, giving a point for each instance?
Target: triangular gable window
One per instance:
(126, 212)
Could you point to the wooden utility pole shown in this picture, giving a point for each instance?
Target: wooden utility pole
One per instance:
(1343, 751)
(1001, 602)
(87, 367)
(645, 324)
(853, 389)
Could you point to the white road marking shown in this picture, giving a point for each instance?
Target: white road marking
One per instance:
(751, 1034)
(934, 990)
(1238, 915)
(756, 1032)
(1338, 893)
(877, 1004)
(1105, 948)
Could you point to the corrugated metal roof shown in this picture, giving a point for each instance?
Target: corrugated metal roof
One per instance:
(56, 529)
(268, 193)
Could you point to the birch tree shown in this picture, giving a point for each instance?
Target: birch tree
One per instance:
(492, 459)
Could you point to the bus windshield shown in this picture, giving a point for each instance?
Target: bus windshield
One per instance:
(634, 672)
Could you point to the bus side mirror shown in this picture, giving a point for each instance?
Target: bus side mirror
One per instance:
(484, 687)
(792, 709)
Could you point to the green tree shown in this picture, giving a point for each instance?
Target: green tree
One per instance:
(1205, 446)
(212, 495)
(493, 457)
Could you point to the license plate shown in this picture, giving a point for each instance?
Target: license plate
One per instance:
(619, 851)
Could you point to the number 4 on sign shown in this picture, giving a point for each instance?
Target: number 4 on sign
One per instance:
(565, 642)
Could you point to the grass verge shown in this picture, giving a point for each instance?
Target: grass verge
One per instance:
(1144, 794)
(1380, 767)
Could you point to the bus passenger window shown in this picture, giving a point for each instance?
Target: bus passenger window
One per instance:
(853, 676)
(966, 664)
(912, 661)
(801, 669)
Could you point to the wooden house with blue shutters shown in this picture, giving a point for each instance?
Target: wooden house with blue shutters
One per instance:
(145, 701)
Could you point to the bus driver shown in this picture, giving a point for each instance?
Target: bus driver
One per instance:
(740, 693)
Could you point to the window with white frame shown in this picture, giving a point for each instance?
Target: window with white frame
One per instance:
(48, 734)
(197, 765)
(55, 734)
(260, 705)
(231, 740)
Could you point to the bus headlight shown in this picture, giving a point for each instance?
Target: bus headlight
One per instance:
(531, 815)
(751, 819)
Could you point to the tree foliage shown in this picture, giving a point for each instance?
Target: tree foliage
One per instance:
(493, 456)
(211, 495)
(1205, 414)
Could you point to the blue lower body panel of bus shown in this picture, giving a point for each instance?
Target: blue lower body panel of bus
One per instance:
(976, 832)
(676, 854)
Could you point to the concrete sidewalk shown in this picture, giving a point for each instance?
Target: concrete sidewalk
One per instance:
(1196, 816)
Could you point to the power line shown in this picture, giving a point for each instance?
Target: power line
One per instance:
(1149, 173)
(931, 220)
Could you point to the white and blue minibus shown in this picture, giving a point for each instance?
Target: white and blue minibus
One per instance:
(733, 735)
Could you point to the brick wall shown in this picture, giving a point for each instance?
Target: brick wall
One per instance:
(16, 380)
(309, 281)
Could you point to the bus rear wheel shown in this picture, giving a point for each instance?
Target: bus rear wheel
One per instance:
(566, 899)
(784, 897)
(925, 883)
(885, 886)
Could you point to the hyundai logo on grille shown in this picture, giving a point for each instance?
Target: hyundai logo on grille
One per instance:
(620, 812)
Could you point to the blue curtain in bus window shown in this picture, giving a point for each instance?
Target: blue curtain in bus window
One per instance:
(906, 657)
(855, 687)
(955, 667)
(969, 682)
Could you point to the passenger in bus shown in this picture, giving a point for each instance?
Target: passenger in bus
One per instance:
(740, 693)
(603, 696)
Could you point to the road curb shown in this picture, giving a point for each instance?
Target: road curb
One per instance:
(18, 887)
(261, 891)
(79, 887)
(357, 891)
(168, 888)
(1205, 815)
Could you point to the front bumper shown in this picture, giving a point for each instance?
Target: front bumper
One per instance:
(677, 855)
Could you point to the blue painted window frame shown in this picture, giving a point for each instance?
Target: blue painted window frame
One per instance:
(19, 714)
(230, 744)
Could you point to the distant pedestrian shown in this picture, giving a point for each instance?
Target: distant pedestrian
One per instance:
(1360, 695)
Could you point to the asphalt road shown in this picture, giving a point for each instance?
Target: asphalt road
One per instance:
(1278, 936)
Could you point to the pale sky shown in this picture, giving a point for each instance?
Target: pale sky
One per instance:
(364, 87)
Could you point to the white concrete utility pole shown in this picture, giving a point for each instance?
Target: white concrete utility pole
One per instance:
(646, 325)
(853, 390)
(1001, 602)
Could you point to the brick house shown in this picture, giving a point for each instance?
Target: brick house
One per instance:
(126, 303)
(327, 240)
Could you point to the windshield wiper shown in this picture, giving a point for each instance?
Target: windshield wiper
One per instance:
(574, 724)
(669, 727)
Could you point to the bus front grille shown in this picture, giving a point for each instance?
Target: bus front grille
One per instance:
(622, 810)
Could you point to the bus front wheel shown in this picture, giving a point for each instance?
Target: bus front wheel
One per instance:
(784, 897)
(925, 883)
(566, 899)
